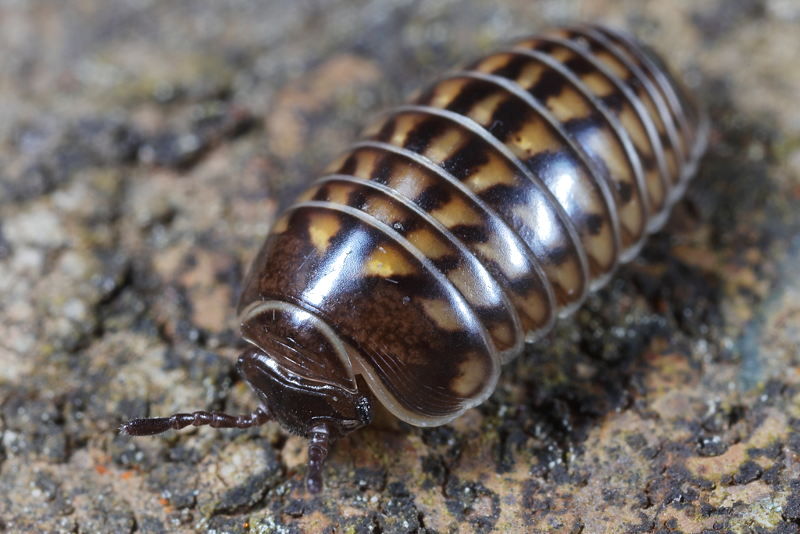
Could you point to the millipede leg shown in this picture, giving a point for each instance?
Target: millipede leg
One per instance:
(318, 446)
(156, 425)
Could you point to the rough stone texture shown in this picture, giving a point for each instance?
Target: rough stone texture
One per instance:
(144, 147)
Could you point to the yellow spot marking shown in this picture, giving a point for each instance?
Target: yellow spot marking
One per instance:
(466, 282)
(308, 194)
(567, 275)
(614, 64)
(281, 225)
(528, 43)
(339, 193)
(618, 163)
(600, 248)
(655, 190)
(384, 210)
(414, 96)
(534, 137)
(598, 84)
(652, 111)
(388, 261)
(632, 220)
(336, 164)
(365, 163)
(482, 112)
(535, 214)
(503, 336)
(494, 172)
(322, 228)
(630, 121)
(530, 75)
(562, 54)
(533, 306)
(441, 313)
(446, 91)
(490, 251)
(445, 145)
(569, 104)
(405, 123)
(472, 372)
(429, 244)
(456, 212)
(408, 181)
(672, 165)
(494, 62)
(372, 129)
(605, 144)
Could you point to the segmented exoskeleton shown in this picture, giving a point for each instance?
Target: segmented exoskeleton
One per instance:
(462, 225)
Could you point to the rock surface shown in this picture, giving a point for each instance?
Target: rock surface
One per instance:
(145, 147)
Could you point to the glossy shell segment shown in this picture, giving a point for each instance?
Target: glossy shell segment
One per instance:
(466, 221)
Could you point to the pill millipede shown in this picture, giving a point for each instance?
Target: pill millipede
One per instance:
(460, 227)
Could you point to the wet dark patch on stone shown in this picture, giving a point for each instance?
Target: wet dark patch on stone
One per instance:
(773, 451)
(233, 525)
(37, 427)
(169, 479)
(636, 441)
(511, 440)
(791, 510)
(180, 149)
(474, 503)
(773, 475)
(295, 508)
(723, 17)
(5, 246)
(400, 514)
(251, 491)
(54, 155)
(358, 525)
(434, 470)
(370, 479)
